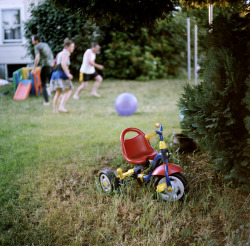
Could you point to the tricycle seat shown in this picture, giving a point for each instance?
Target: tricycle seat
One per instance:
(136, 150)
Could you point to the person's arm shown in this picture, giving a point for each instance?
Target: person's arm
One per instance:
(37, 59)
(65, 66)
(93, 63)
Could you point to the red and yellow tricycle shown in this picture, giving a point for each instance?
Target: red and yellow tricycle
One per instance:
(169, 182)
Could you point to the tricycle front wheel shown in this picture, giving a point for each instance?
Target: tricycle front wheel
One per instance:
(179, 185)
(108, 180)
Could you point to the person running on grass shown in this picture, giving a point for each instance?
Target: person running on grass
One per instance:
(61, 77)
(43, 53)
(88, 71)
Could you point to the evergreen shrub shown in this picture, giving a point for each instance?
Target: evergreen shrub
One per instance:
(216, 112)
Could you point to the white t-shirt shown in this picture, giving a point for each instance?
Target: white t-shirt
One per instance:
(86, 67)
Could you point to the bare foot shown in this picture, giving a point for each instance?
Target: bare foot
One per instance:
(95, 94)
(75, 97)
(63, 110)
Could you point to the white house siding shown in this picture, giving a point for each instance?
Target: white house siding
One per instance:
(14, 53)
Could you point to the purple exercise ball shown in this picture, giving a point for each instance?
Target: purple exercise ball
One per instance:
(126, 104)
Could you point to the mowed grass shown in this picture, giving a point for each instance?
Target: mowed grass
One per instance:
(49, 191)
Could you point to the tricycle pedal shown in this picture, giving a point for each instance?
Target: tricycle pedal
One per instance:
(140, 176)
(161, 187)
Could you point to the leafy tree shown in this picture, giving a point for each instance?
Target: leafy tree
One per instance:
(132, 12)
(223, 3)
(216, 112)
(135, 12)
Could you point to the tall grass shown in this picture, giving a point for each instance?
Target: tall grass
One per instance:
(49, 191)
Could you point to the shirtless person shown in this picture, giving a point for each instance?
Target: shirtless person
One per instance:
(89, 72)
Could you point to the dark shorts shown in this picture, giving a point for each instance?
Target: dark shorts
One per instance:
(87, 77)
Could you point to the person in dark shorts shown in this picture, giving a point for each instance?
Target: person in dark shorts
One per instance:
(43, 52)
(88, 72)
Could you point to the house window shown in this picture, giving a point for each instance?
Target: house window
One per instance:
(11, 20)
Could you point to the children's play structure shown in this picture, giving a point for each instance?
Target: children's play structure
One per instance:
(26, 84)
(151, 165)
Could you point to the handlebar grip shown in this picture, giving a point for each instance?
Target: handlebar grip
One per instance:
(157, 125)
(150, 135)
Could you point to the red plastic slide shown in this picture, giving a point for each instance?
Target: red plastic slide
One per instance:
(22, 91)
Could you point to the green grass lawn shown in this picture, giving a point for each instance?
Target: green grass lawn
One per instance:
(49, 194)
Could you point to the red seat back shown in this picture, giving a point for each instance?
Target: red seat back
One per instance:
(137, 149)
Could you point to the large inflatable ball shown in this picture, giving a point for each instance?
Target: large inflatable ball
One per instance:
(126, 104)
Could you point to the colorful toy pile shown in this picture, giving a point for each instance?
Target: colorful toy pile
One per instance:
(26, 84)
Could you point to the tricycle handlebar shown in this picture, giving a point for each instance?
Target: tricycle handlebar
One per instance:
(157, 125)
(150, 135)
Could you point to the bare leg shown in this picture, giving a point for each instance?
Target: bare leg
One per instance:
(98, 81)
(64, 100)
(80, 89)
(60, 99)
(56, 100)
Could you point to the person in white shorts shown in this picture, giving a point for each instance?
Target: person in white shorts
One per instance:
(88, 72)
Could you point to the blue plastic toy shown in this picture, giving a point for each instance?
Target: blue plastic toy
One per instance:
(126, 104)
(170, 183)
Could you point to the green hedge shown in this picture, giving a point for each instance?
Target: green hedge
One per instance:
(147, 54)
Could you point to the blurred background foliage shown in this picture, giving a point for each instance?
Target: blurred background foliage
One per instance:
(135, 53)
(134, 12)
(147, 53)
(125, 12)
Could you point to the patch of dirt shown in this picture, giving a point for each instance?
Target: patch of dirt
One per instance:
(68, 188)
(200, 169)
